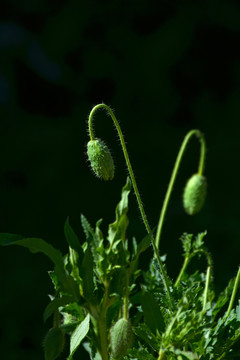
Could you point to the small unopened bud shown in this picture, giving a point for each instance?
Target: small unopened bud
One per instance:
(100, 159)
(53, 343)
(194, 194)
(121, 338)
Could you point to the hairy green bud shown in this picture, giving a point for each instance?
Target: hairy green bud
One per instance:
(121, 338)
(194, 194)
(100, 159)
(53, 343)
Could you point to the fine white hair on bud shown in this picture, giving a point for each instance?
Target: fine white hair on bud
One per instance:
(100, 159)
(194, 194)
(121, 338)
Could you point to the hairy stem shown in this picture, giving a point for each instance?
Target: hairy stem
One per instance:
(140, 204)
(174, 174)
(125, 152)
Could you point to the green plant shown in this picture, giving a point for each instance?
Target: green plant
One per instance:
(105, 302)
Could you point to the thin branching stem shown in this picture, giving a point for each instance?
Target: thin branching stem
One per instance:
(174, 174)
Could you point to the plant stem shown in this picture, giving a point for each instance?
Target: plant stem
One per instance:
(125, 299)
(233, 293)
(187, 260)
(140, 204)
(162, 355)
(205, 295)
(102, 326)
(185, 264)
(124, 148)
(174, 174)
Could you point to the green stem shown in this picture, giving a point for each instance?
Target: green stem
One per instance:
(129, 166)
(102, 326)
(185, 264)
(125, 299)
(233, 293)
(174, 174)
(124, 148)
(187, 260)
(205, 294)
(161, 355)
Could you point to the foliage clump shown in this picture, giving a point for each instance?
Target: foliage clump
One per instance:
(106, 303)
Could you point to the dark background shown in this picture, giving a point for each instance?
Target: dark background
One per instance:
(165, 67)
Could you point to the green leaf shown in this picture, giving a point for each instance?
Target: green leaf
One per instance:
(152, 313)
(186, 240)
(223, 298)
(87, 274)
(78, 335)
(88, 230)
(198, 241)
(55, 304)
(117, 229)
(94, 240)
(144, 244)
(72, 238)
(145, 334)
(140, 353)
(37, 245)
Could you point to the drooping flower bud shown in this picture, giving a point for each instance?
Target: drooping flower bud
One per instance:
(194, 194)
(53, 343)
(100, 159)
(121, 338)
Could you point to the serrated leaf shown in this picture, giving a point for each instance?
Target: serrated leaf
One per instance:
(94, 240)
(88, 230)
(198, 241)
(186, 240)
(140, 353)
(78, 335)
(144, 333)
(117, 229)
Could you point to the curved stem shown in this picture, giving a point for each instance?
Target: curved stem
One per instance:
(188, 259)
(185, 264)
(129, 166)
(124, 148)
(174, 174)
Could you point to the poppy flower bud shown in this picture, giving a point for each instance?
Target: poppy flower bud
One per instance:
(100, 159)
(121, 338)
(53, 343)
(194, 194)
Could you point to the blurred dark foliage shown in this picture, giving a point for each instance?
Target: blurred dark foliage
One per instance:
(165, 67)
